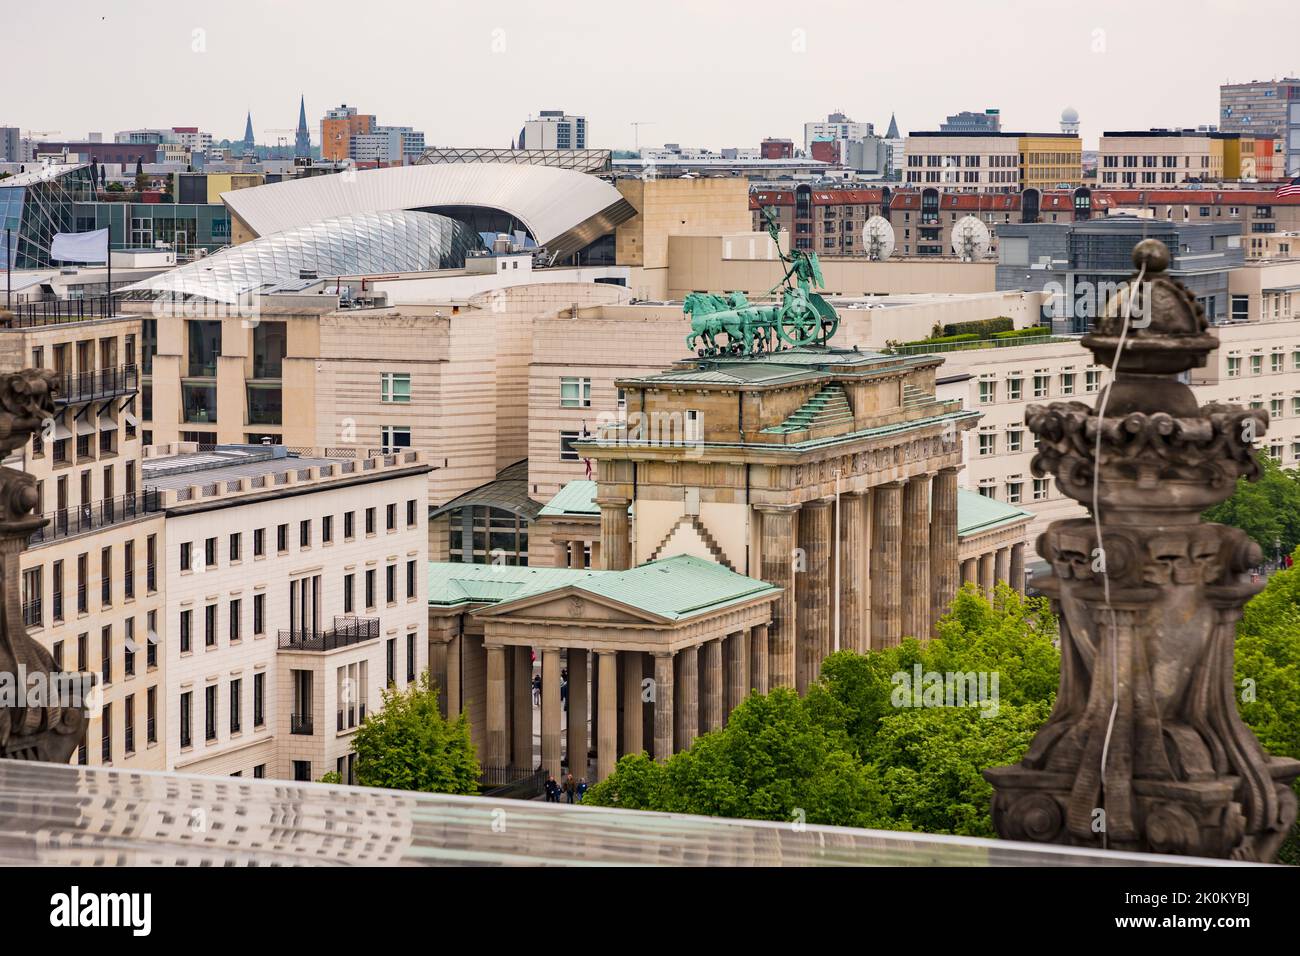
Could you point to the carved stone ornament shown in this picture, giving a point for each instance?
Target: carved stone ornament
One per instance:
(1145, 749)
(42, 714)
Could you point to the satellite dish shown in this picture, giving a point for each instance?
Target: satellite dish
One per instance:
(878, 238)
(970, 239)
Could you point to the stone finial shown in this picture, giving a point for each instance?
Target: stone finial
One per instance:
(41, 715)
(1145, 749)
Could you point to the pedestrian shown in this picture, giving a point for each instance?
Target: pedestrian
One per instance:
(537, 689)
(564, 694)
(552, 789)
(570, 788)
(582, 788)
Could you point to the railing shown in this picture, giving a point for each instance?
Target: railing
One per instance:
(300, 724)
(98, 384)
(66, 522)
(151, 729)
(923, 349)
(32, 613)
(345, 632)
(27, 315)
(352, 717)
(151, 577)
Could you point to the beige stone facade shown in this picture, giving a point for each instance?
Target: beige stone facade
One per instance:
(296, 593)
(91, 591)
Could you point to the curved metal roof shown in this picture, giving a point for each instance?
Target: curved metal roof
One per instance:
(379, 242)
(562, 209)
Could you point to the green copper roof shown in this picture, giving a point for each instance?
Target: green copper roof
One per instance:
(976, 513)
(675, 588)
(575, 498)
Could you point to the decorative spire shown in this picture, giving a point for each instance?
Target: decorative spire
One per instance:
(1145, 749)
(893, 128)
(302, 139)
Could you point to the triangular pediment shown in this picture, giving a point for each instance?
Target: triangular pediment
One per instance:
(571, 605)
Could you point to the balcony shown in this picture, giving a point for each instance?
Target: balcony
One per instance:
(59, 311)
(300, 724)
(67, 522)
(97, 385)
(345, 632)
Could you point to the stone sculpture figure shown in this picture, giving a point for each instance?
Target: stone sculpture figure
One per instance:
(38, 721)
(1145, 749)
(802, 318)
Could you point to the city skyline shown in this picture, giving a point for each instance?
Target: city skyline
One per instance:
(772, 58)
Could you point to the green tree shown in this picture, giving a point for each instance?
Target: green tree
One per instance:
(775, 760)
(409, 745)
(1268, 510)
(1268, 673)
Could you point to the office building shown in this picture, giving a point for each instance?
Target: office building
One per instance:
(554, 129)
(836, 127)
(989, 121)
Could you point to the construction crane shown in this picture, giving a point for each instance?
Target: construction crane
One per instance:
(636, 133)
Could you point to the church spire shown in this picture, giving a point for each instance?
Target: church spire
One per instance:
(302, 140)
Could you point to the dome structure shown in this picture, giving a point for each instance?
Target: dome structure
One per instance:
(371, 243)
(1069, 120)
(561, 209)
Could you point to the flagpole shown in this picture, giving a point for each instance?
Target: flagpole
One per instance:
(108, 258)
(9, 272)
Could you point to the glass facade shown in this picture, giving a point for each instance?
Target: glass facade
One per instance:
(34, 206)
(484, 535)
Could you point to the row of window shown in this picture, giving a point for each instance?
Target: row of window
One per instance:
(1040, 384)
(107, 724)
(62, 603)
(235, 709)
(1015, 489)
(235, 547)
(130, 649)
(1276, 360)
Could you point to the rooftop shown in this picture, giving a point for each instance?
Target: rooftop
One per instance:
(672, 589)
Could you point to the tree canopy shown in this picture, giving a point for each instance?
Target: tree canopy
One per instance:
(409, 745)
(850, 754)
(1268, 510)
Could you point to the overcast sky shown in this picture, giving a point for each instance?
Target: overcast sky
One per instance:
(704, 73)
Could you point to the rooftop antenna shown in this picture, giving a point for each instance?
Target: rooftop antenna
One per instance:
(636, 133)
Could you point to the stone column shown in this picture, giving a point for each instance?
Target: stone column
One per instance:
(578, 712)
(886, 565)
(943, 543)
(970, 571)
(577, 555)
(758, 658)
(813, 591)
(607, 742)
(686, 697)
(438, 671)
(663, 705)
(736, 683)
(853, 572)
(454, 703)
(561, 554)
(551, 710)
(614, 534)
(521, 747)
(779, 524)
(497, 743)
(1002, 565)
(1018, 567)
(987, 574)
(632, 664)
(711, 686)
(916, 557)
(595, 553)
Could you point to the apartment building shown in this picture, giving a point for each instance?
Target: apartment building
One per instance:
(980, 161)
(1259, 211)
(337, 128)
(296, 593)
(92, 590)
(1167, 157)
(825, 221)
(1264, 108)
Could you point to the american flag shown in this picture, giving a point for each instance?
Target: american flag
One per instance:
(1290, 189)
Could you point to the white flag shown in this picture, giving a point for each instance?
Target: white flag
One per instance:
(80, 246)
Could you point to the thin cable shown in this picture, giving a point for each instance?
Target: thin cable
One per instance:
(1096, 517)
